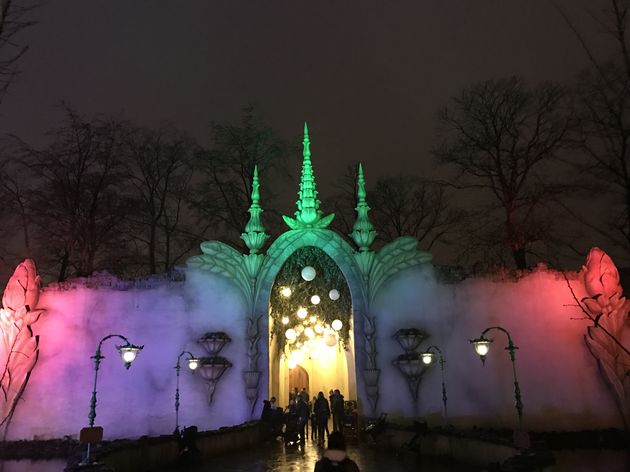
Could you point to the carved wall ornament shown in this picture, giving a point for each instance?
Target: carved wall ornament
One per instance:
(19, 349)
(606, 307)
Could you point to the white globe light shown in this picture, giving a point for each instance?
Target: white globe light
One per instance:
(128, 356)
(315, 299)
(285, 292)
(309, 333)
(193, 363)
(308, 273)
(334, 294)
(313, 319)
(319, 329)
(337, 325)
(302, 313)
(482, 349)
(427, 358)
(290, 341)
(285, 320)
(330, 339)
(290, 334)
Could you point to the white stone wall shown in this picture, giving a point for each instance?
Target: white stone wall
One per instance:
(560, 383)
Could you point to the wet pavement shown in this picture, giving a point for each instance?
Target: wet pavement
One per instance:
(275, 456)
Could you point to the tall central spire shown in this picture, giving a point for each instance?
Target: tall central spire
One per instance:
(308, 215)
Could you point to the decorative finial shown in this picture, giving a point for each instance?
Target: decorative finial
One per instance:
(254, 235)
(308, 215)
(363, 232)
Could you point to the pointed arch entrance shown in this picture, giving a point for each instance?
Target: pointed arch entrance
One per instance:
(298, 379)
(311, 328)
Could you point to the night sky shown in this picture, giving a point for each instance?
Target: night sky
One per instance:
(368, 76)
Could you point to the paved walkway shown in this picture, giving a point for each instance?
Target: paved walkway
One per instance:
(274, 456)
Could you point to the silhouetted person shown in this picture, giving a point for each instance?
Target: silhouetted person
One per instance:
(322, 412)
(337, 406)
(301, 408)
(335, 457)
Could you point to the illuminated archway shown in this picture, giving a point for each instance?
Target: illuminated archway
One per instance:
(311, 326)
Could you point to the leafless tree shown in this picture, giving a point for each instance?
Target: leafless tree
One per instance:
(501, 136)
(160, 164)
(228, 167)
(604, 112)
(345, 200)
(13, 19)
(410, 206)
(74, 201)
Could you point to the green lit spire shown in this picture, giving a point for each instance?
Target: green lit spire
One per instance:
(363, 232)
(308, 215)
(254, 235)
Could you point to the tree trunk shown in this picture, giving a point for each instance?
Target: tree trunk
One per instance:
(520, 258)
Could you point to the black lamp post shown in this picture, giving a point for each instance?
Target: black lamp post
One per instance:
(482, 347)
(128, 353)
(193, 363)
(427, 359)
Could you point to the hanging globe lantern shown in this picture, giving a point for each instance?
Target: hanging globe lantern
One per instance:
(330, 339)
(333, 294)
(302, 313)
(285, 320)
(285, 292)
(313, 319)
(308, 273)
(315, 299)
(337, 325)
(319, 329)
(290, 334)
(310, 334)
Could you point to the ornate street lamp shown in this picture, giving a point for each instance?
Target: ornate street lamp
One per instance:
(427, 358)
(193, 363)
(482, 347)
(128, 353)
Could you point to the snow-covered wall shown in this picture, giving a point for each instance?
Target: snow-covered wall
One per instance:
(560, 383)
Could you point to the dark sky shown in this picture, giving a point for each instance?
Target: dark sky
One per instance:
(367, 75)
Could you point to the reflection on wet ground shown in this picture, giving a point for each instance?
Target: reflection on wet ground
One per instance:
(274, 456)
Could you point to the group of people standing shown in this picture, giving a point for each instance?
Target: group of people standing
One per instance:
(318, 410)
(323, 408)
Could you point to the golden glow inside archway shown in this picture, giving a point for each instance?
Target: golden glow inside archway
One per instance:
(311, 327)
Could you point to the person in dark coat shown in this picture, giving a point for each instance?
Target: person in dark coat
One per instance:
(337, 405)
(313, 418)
(301, 409)
(335, 457)
(322, 412)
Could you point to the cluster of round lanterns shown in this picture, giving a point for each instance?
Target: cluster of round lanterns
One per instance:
(310, 333)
